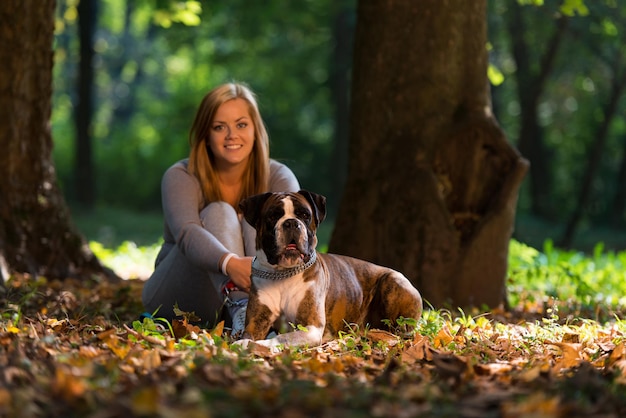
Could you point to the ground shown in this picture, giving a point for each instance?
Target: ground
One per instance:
(76, 348)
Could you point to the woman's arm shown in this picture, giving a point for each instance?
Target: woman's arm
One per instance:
(182, 201)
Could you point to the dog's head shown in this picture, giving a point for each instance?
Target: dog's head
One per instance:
(285, 224)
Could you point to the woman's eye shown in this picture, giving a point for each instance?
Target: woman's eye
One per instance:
(218, 128)
(242, 125)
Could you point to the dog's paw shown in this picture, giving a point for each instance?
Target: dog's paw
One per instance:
(260, 347)
(244, 343)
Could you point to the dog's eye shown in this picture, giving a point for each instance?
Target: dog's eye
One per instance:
(274, 215)
(303, 214)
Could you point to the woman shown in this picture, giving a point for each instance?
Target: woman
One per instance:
(206, 258)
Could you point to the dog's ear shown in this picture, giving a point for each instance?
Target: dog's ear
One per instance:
(318, 203)
(251, 207)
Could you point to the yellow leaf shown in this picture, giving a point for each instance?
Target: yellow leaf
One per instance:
(618, 353)
(68, 385)
(151, 359)
(443, 338)
(5, 398)
(218, 330)
(571, 354)
(533, 373)
(536, 405)
(119, 350)
(145, 401)
(13, 330)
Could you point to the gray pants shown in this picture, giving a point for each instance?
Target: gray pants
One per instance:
(176, 281)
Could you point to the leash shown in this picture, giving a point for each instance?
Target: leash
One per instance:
(284, 273)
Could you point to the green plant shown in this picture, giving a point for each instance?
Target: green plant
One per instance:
(152, 325)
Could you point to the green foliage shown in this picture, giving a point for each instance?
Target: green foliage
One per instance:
(597, 279)
(127, 260)
(576, 92)
(153, 72)
(573, 7)
(535, 278)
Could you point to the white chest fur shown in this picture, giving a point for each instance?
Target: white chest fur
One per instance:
(283, 297)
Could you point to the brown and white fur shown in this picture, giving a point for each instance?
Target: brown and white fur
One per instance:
(333, 292)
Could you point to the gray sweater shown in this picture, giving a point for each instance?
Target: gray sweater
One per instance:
(182, 202)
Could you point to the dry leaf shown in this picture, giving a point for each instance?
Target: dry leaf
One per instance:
(571, 355)
(145, 401)
(379, 335)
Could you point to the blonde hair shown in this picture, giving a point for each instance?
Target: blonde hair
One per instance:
(202, 160)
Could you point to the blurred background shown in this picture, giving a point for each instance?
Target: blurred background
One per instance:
(129, 75)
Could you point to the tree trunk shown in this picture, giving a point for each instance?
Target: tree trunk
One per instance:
(432, 183)
(530, 86)
(84, 111)
(36, 235)
(343, 33)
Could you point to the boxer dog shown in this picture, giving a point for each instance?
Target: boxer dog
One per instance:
(317, 294)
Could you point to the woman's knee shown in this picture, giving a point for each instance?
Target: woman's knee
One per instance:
(221, 220)
(218, 213)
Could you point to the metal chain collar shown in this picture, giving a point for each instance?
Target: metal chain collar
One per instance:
(286, 273)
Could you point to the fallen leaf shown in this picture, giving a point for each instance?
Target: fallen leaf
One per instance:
(386, 337)
(492, 369)
(119, 349)
(571, 355)
(443, 338)
(145, 401)
(537, 405)
(67, 385)
(5, 398)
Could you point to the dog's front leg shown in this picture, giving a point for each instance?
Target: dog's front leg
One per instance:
(259, 320)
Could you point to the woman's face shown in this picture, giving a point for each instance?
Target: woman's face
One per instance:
(232, 134)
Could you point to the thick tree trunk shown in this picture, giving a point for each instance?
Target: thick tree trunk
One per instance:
(36, 235)
(432, 183)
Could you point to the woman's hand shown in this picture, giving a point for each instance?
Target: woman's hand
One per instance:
(239, 270)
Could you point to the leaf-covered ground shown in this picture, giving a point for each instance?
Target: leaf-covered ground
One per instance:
(75, 348)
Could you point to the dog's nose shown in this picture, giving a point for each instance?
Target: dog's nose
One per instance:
(291, 224)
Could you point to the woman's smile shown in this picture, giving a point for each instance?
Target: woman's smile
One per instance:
(232, 134)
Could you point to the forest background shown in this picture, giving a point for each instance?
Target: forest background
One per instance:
(128, 77)
(557, 89)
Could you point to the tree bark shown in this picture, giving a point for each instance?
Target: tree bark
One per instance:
(530, 86)
(36, 235)
(343, 33)
(432, 182)
(83, 115)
